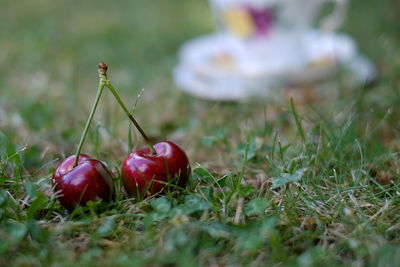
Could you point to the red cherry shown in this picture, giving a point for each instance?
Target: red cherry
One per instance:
(89, 180)
(142, 170)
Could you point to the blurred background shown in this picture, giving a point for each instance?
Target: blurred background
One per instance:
(49, 51)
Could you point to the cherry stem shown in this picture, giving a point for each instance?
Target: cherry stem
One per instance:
(102, 84)
(103, 77)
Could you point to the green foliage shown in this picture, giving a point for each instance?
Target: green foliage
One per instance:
(256, 206)
(285, 178)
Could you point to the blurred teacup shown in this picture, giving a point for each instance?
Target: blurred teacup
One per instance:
(245, 19)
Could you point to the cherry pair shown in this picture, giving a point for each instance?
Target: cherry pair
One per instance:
(79, 178)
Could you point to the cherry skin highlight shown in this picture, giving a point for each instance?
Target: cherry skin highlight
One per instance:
(90, 180)
(144, 171)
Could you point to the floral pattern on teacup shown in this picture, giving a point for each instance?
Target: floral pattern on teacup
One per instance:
(249, 21)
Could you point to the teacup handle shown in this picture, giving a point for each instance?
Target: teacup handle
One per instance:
(337, 17)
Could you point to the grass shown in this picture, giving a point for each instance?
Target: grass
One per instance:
(303, 182)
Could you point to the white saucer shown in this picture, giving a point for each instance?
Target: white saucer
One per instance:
(218, 67)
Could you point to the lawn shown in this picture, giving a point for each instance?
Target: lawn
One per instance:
(308, 180)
